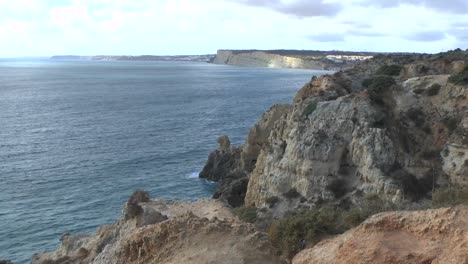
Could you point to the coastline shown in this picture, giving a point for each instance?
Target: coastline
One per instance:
(340, 154)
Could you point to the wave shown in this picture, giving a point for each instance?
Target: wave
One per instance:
(193, 175)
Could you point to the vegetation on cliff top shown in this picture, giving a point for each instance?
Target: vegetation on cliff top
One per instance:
(310, 108)
(449, 196)
(460, 78)
(308, 226)
(390, 70)
(247, 214)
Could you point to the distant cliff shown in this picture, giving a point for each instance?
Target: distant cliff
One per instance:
(302, 59)
(196, 58)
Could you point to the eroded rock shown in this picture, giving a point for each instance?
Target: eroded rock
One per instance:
(432, 236)
(183, 232)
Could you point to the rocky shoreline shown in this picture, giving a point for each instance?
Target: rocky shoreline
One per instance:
(390, 134)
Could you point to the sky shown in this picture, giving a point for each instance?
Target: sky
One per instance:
(171, 27)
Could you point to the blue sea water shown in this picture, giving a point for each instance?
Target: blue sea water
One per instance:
(77, 137)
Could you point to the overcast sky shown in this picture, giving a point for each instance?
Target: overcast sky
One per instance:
(134, 27)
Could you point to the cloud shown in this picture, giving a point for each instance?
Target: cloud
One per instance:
(48, 27)
(426, 36)
(62, 16)
(452, 6)
(299, 8)
(460, 33)
(365, 33)
(449, 6)
(327, 37)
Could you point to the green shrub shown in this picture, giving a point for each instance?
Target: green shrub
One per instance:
(433, 90)
(286, 234)
(367, 82)
(377, 85)
(418, 91)
(310, 108)
(369, 205)
(132, 207)
(355, 216)
(414, 188)
(291, 194)
(337, 187)
(460, 78)
(139, 196)
(247, 214)
(451, 123)
(427, 129)
(272, 201)
(390, 70)
(312, 225)
(431, 153)
(449, 196)
(417, 116)
(381, 82)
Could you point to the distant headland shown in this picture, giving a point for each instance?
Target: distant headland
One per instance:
(196, 58)
(301, 59)
(296, 59)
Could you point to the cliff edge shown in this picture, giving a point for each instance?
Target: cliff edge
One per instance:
(158, 231)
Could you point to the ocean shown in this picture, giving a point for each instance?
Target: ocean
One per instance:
(78, 137)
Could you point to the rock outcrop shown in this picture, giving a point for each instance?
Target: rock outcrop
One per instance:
(229, 166)
(432, 236)
(342, 139)
(190, 232)
(393, 125)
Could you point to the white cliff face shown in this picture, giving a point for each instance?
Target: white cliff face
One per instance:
(289, 59)
(273, 60)
(263, 59)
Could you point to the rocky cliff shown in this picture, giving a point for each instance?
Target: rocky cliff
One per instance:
(167, 232)
(231, 166)
(317, 60)
(395, 126)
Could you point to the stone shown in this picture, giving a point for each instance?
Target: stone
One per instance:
(150, 217)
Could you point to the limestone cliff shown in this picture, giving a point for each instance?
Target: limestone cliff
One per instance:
(433, 236)
(395, 126)
(230, 166)
(316, 60)
(371, 129)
